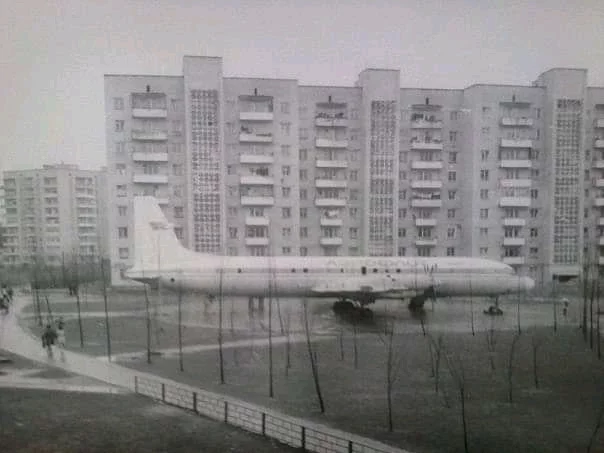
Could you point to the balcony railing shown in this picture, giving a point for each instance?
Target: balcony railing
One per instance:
(510, 121)
(139, 134)
(321, 163)
(599, 143)
(150, 179)
(425, 124)
(330, 183)
(255, 180)
(426, 184)
(421, 203)
(149, 157)
(426, 242)
(247, 137)
(331, 122)
(515, 163)
(256, 241)
(149, 113)
(523, 183)
(598, 163)
(420, 222)
(257, 201)
(601, 221)
(256, 116)
(331, 241)
(599, 201)
(599, 182)
(514, 242)
(257, 221)
(427, 164)
(330, 143)
(433, 145)
(326, 202)
(516, 143)
(513, 260)
(599, 123)
(514, 221)
(519, 202)
(326, 221)
(256, 159)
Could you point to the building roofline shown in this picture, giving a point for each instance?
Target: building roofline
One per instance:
(380, 69)
(564, 69)
(432, 89)
(260, 78)
(501, 85)
(210, 57)
(339, 87)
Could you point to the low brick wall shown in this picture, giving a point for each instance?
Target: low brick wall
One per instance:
(298, 433)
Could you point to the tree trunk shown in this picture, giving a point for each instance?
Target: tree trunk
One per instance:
(313, 360)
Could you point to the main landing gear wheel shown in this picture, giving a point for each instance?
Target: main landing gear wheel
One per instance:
(349, 309)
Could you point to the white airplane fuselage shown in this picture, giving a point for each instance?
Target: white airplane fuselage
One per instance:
(160, 256)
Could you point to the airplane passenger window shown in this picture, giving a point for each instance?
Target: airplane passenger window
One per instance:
(239, 271)
(375, 270)
(293, 270)
(305, 270)
(398, 271)
(363, 270)
(342, 270)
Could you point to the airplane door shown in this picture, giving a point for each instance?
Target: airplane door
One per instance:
(364, 270)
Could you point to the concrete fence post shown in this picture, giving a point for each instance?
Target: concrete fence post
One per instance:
(263, 424)
(195, 402)
(135, 384)
(350, 444)
(303, 439)
(226, 412)
(163, 392)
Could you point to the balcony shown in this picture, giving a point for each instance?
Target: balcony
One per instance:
(599, 182)
(256, 241)
(150, 179)
(328, 202)
(330, 184)
(599, 143)
(246, 137)
(599, 202)
(329, 143)
(256, 221)
(150, 157)
(427, 145)
(426, 164)
(515, 163)
(256, 159)
(326, 221)
(514, 221)
(426, 184)
(331, 242)
(331, 163)
(426, 242)
(256, 116)
(138, 134)
(516, 143)
(419, 203)
(255, 180)
(425, 222)
(513, 260)
(331, 122)
(513, 242)
(150, 113)
(601, 221)
(599, 123)
(601, 260)
(601, 240)
(423, 124)
(598, 163)
(522, 183)
(257, 201)
(519, 122)
(517, 202)
(162, 200)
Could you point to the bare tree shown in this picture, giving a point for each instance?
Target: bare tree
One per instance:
(457, 371)
(472, 309)
(592, 296)
(510, 369)
(233, 333)
(598, 315)
(180, 355)
(536, 341)
(596, 428)
(393, 363)
(355, 346)
(107, 328)
(436, 348)
(341, 342)
(77, 294)
(220, 315)
(491, 342)
(287, 330)
(312, 355)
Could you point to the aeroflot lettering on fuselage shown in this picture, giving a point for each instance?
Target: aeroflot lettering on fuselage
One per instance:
(381, 263)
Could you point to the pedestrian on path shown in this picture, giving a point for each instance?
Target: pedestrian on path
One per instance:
(61, 337)
(49, 336)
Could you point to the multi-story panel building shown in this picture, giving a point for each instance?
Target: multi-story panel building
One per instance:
(248, 166)
(54, 213)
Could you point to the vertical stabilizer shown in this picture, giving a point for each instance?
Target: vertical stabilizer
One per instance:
(155, 244)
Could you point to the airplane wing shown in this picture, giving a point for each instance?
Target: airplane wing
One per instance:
(378, 286)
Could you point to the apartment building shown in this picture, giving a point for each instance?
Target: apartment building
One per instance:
(54, 212)
(262, 167)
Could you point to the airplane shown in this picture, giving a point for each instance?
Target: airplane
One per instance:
(354, 281)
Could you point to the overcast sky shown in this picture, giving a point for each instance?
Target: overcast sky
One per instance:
(54, 52)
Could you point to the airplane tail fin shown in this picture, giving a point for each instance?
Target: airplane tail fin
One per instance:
(155, 243)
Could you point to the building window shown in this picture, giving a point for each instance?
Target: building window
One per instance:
(285, 128)
(450, 213)
(123, 253)
(484, 213)
(486, 131)
(354, 195)
(303, 251)
(451, 232)
(285, 150)
(484, 194)
(403, 157)
(122, 210)
(177, 169)
(352, 212)
(452, 194)
(484, 232)
(120, 148)
(286, 250)
(303, 154)
(452, 157)
(484, 251)
(285, 107)
(303, 232)
(450, 251)
(120, 169)
(534, 193)
(402, 251)
(303, 175)
(285, 192)
(286, 213)
(534, 232)
(179, 212)
(402, 232)
(484, 175)
(121, 190)
(233, 233)
(177, 191)
(453, 116)
(303, 194)
(402, 213)
(534, 212)
(354, 233)
(232, 251)
(119, 125)
(303, 213)
(176, 128)
(354, 175)
(122, 232)
(402, 194)
(285, 170)
(484, 155)
(452, 136)
(452, 176)
(118, 103)
(286, 232)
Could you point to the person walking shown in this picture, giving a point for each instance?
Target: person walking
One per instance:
(49, 336)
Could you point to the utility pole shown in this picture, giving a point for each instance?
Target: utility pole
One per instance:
(180, 361)
(107, 328)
